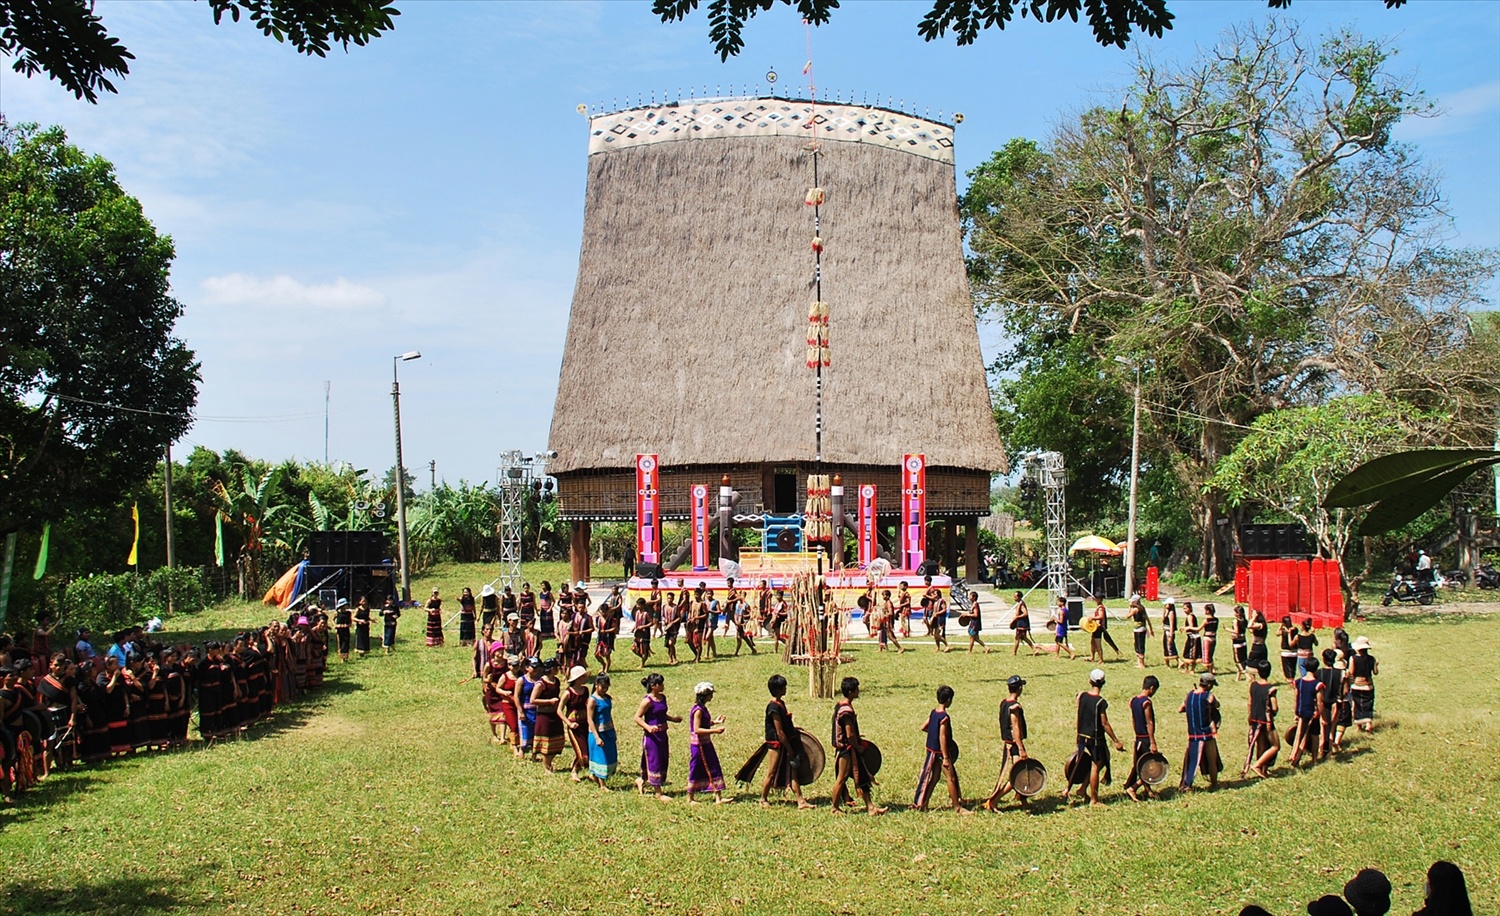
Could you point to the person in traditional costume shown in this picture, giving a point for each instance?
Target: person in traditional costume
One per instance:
(781, 750)
(604, 755)
(343, 622)
(1143, 720)
(942, 755)
(546, 696)
(673, 617)
(493, 694)
(1169, 632)
(976, 625)
(1093, 728)
(1020, 625)
(652, 716)
(1201, 708)
(1192, 639)
(489, 605)
(509, 710)
(697, 621)
(362, 628)
(1306, 642)
(1239, 629)
(1209, 638)
(1310, 709)
(575, 715)
(1264, 742)
(1012, 738)
(641, 622)
(849, 748)
(739, 615)
(531, 676)
(1096, 637)
(1335, 696)
(903, 609)
(1362, 671)
(434, 620)
(466, 617)
(1287, 634)
(611, 613)
(654, 604)
(389, 614)
(704, 771)
(1059, 625)
(935, 613)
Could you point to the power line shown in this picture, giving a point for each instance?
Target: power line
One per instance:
(285, 418)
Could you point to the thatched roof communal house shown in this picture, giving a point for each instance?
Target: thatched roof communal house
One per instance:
(689, 319)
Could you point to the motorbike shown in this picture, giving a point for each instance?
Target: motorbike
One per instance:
(1455, 578)
(1486, 576)
(1409, 590)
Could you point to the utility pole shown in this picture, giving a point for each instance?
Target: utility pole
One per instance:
(167, 502)
(432, 469)
(401, 474)
(1135, 472)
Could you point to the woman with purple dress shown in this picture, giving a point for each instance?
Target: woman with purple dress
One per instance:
(704, 772)
(652, 716)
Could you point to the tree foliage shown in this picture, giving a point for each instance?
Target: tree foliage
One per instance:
(66, 40)
(1292, 459)
(93, 384)
(1244, 228)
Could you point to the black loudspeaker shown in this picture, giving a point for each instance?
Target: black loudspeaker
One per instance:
(374, 585)
(338, 548)
(317, 548)
(366, 548)
(648, 570)
(1075, 611)
(928, 568)
(1274, 540)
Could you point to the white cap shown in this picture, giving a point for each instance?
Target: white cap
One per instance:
(577, 672)
(581, 586)
(703, 687)
(1096, 676)
(1169, 600)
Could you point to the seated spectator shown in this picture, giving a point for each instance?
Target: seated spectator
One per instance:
(1447, 895)
(1369, 893)
(1253, 910)
(1329, 905)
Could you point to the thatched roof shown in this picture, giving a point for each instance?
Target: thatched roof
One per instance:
(689, 319)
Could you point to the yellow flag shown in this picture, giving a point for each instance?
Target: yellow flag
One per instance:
(135, 516)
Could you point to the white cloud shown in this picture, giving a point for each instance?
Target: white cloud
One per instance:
(283, 291)
(1458, 111)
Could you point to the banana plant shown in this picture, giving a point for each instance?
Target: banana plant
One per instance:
(1403, 485)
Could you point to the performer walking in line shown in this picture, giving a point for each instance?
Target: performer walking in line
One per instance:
(1059, 625)
(575, 716)
(531, 676)
(739, 613)
(343, 621)
(1237, 642)
(641, 632)
(1306, 642)
(1020, 624)
(493, 695)
(1169, 632)
(1310, 706)
(603, 752)
(1140, 627)
(434, 620)
(362, 628)
(781, 750)
(942, 754)
(903, 609)
(389, 614)
(1287, 634)
(935, 613)
(976, 625)
(704, 771)
(1104, 633)
(1096, 636)
(652, 716)
(1362, 671)
(546, 696)
(888, 622)
(1209, 637)
(1264, 742)
(466, 617)
(1143, 718)
(1202, 710)
(1012, 739)
(1257, 651)
(848, 750)
(1335, 690)
(1191, 638)
(1093, 727)
(611, 612)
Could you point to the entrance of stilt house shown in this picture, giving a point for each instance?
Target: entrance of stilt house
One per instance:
(784, 491)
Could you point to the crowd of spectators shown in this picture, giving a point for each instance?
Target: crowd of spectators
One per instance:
(1368, 893)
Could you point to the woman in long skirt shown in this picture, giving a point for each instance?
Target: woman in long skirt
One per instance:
(466, 618)
(509, 709)
(530, 677)
(362, 628)
(343, 620)
(604, 754)
(704, 772)
(545, 697)
(641, 633)
(575, 714)
(652, 716)
(434, 620)
(1362, 671)
(496, 703)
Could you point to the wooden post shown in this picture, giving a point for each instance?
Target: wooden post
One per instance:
(950, 544)
(972, 565)
(578, 550)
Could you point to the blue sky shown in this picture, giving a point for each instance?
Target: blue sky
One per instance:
(426, 192)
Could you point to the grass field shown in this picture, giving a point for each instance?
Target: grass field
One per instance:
(383, 794)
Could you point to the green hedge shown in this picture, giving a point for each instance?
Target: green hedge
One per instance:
(106, 603)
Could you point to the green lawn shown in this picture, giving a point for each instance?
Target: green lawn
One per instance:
(383, 794)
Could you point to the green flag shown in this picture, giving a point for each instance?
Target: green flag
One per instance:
(41, 554)
(219, 537)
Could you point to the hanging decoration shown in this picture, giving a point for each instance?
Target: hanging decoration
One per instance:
(818, 518)
(815, 197)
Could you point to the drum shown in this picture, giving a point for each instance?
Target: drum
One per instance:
(1028, 777)
(1153, 768)
(813, 758)
(964, 620)
(1077, 768)
(1089, 625)
(870, 756)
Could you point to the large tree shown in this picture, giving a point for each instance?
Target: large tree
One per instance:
(66, 40)
(93, 384)
(1244, 228)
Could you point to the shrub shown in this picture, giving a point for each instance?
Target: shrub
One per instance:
(105, 603)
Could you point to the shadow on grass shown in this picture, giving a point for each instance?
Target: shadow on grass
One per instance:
(55, 789)
(113, 895)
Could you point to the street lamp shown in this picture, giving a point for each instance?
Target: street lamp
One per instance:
(1135, 468)
(396, 361)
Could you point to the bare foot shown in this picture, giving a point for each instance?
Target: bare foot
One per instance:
(804, 805)
(876, 812)
(765, 804)
(723, 801)
(662, 797)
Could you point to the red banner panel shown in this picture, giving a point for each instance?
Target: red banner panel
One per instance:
(869, 544)
(647, 509)
(700, 527)
(913, 511)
